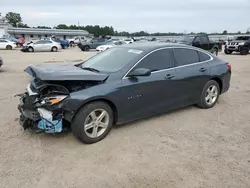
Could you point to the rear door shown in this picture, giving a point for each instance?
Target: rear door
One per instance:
(192, 73)
(148, 95)
(47, 45)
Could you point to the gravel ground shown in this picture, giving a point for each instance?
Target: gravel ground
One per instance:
(186, 148)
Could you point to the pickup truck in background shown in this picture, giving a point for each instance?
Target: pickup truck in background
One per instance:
(201, 41)
(93, 43)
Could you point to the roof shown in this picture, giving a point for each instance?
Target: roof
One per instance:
(40, 31)
(149, 46)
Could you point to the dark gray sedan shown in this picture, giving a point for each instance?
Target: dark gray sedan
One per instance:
(119, 85)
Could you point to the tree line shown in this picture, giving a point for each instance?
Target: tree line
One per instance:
(15, 20)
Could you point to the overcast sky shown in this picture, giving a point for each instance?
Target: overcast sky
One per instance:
(137, 15)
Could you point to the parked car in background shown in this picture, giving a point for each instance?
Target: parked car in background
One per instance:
(64, 43)
(1, 61)
(18, 42)
(109, 45)
(119, 85)
(129, 40)
(92, 44)
(201, 41)
(76, 40)
(6, 44)
(42, 46)
(239, 44)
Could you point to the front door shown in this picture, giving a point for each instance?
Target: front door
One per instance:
(3, 44)
(149, 95)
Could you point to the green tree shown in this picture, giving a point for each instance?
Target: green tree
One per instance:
(21, 25)
(43, 27)
(62, 26)
(13, 18)
(224, 32)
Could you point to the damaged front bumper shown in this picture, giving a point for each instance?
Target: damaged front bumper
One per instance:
(39, 118)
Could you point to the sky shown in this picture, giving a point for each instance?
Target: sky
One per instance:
(136, 15)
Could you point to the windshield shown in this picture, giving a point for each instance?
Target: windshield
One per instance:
(112, 60)
(185, 38)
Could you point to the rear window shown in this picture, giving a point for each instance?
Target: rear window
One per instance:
(185, 56)
(203, 56)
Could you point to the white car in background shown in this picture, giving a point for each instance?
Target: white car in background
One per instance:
(8, 45)
(42, 46)
(128, 41)
(109, 45)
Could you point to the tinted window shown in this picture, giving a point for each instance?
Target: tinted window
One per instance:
(203, 56)
(158, 60)
(197, 39)
(185, 56)
(1, 40)
(47, 42)
(39, 42)
(204, 40)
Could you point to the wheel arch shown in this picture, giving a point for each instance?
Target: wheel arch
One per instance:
(108, 101)
(219, 81)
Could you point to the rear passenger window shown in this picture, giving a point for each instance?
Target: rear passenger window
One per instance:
(185, 56)
(158, 60)
(203, 56)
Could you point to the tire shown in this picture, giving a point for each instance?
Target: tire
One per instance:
(71, 43)
(226, 51)
(8, 47)
(78, 125)
(244, 51)
(86, 48)
(54, 49)
(215, 51)
(30, 49)
(203, 103)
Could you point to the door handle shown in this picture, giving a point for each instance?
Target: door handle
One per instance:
(169, 76)
(203, 69)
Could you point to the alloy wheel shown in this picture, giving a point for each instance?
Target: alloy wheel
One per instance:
(211, 95)
(96, 123)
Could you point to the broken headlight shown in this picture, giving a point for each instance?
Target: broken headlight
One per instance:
(53, 99)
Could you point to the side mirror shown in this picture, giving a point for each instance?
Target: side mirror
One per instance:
(140, 72)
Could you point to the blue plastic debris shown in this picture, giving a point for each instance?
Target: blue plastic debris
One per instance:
(50, 126)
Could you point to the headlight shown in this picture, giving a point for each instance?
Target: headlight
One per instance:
(241, 43)
(53, 99)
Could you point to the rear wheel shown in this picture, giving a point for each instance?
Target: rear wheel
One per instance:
(226, 51)
(86, 48)
(8, 47)
(54, 49)
(209, 95)
(93, 122)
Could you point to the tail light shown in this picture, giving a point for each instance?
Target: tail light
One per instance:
(229, 66)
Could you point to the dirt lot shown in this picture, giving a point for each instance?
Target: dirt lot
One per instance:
(186, 148)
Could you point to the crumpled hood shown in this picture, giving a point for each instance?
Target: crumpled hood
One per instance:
(58, 72)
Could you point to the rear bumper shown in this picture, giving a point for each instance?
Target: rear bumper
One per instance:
(226, 82)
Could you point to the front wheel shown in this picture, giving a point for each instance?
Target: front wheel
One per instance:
(244, 51)
(93, 122)
(226, 51)
(86, 48)
(209, 95)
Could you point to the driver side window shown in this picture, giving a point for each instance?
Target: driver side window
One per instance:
(158, 60)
